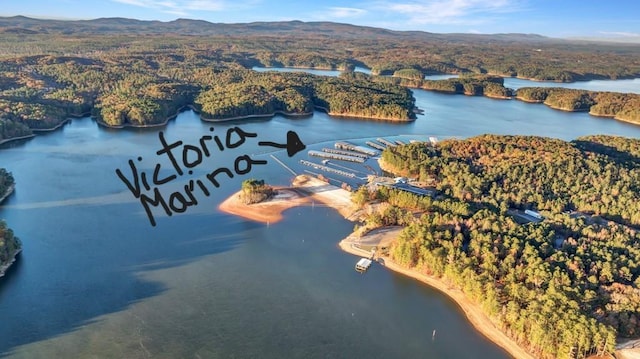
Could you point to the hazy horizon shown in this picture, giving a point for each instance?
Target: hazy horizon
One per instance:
(572, 19)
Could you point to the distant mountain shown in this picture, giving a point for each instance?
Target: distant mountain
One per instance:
(103, 26)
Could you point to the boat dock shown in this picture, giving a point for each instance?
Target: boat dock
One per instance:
(385, 142)
(335, 156)
(346, 153)
(363, 264)
(328, 169)
(351, 147)
(375, 145)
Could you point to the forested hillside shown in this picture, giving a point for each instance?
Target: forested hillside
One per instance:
(51, 70)
(565, 287)
(40, 92)
(621, 106)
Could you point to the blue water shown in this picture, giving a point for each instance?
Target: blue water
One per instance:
(310, 71)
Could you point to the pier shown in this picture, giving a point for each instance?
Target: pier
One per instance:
(328, 169)
(351, 147)
(283, 165)
(346, 153)
(336, 156)
(375, 145)
(385, 142)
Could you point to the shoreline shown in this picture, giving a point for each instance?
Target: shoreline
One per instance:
(266, 115)
(5, 267)
(12, 139)
(339, 115)
(7, 193)
(322, 68)
(304, 190)
(339, 199)
(472, 311)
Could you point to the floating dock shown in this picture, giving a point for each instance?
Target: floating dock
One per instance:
(363, 264)
(335, 156)
(385, 142)
(351, 147)
(328, 169)
(400, 143)
(376, 145)
(346, 153)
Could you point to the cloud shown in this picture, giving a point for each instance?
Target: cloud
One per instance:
(466, 12)
(182, 7)
(337, 13)
(621, 33)
(342, 12)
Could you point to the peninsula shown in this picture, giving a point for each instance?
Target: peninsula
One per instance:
(572, 269)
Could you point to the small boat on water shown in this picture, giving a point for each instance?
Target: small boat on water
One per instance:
(363, 264)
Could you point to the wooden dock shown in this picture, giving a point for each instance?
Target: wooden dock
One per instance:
(336, 156)
(328, 169)
(386, 142)
(343, 145)
(376, 145)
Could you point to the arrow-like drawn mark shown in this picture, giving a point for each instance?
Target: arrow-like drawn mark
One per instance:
(293, 145)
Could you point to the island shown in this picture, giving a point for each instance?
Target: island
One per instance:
(10, 245)
(518, 230)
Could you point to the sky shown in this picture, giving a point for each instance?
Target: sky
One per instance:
(619, 19)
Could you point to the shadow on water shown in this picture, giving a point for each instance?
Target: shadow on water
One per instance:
(11, 274)
(97, 278)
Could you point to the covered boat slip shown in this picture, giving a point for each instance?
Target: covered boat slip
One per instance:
(363, 264)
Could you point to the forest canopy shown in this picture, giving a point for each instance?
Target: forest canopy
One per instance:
(564, 287)
(51, 70)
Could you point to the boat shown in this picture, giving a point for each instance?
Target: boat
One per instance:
(363, 264)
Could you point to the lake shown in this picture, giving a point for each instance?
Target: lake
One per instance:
(97, 280)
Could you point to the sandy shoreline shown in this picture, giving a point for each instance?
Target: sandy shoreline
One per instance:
(306, 189)
(472, 311)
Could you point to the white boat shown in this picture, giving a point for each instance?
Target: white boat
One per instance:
(363, 264)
